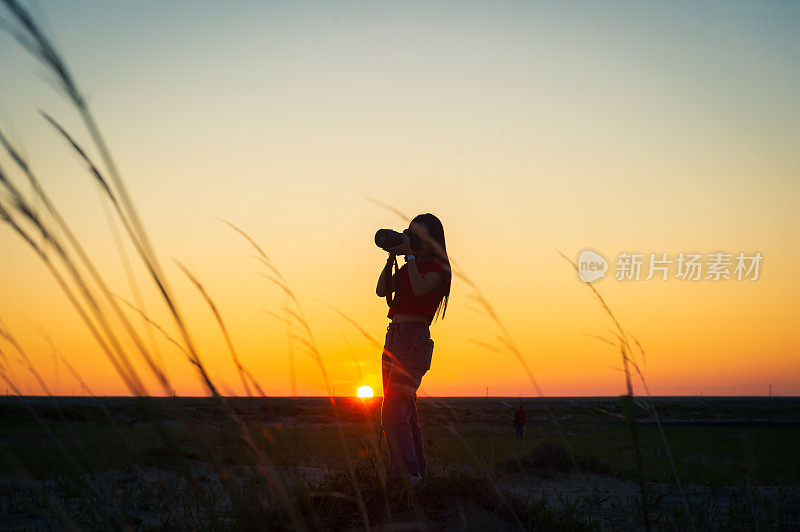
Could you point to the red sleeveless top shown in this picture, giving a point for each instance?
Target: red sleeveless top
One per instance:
(425, 305)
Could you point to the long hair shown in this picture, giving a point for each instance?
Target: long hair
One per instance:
(436, 232)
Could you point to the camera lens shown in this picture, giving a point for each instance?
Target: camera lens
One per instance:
(386, 238)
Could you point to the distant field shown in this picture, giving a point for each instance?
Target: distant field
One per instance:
(737, 458)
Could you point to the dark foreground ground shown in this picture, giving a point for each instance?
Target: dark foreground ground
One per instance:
(194, 463)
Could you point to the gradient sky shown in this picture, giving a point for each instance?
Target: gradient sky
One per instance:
(528, 129)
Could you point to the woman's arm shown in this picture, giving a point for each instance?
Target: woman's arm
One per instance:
(422, 284)
(381, 288)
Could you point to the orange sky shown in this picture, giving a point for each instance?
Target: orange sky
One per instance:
(527, 130)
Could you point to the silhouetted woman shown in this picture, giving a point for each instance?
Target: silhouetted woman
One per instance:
(419, 291)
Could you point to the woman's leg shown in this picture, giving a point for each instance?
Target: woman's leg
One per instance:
(395, 417)
(408, 365)
(416, 433)
(386, 368)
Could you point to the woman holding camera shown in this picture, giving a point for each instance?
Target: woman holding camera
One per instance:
(416, 294)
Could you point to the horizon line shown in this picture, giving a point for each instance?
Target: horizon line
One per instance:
(508, 397)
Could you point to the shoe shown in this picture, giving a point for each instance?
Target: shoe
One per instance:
(415, 480)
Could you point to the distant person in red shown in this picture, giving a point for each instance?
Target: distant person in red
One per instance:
(416, 293)
(520, 417)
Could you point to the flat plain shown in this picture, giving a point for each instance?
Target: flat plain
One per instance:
(174, 462)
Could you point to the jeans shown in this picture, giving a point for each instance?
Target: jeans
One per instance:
(519, 431)
(406, 357)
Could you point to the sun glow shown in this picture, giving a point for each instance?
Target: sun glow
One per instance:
(364, 391)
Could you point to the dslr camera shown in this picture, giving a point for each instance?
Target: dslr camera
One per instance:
(387, 238)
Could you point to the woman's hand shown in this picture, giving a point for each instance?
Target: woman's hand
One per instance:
(402, 249)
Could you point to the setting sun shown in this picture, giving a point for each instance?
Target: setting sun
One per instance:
(364, 391)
